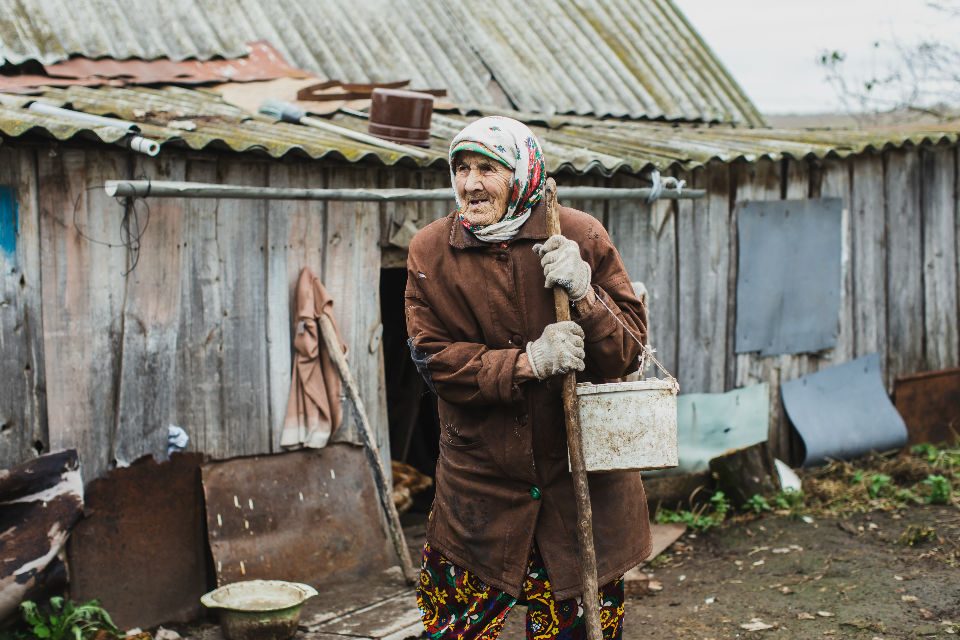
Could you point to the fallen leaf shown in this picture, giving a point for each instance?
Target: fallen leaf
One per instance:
(806, 616)
(710, 600)
(655, 585)
(758, 563)
(909, 598)
(786, 590)
(825, 614)
(756, 624)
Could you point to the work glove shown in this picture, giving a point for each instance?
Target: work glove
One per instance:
(557, 351)
(562, 265)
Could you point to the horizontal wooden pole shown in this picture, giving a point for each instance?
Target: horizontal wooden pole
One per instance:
(169, 189)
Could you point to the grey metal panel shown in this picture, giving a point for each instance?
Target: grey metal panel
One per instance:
(788, 278)
(844, 411)
(632, 58)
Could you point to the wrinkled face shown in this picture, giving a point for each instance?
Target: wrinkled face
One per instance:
(483, 187)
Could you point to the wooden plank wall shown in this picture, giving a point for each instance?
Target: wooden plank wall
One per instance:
(23, 421)
(899, 268)
(198, 335)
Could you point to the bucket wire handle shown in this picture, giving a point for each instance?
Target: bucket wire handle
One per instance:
(645, 351)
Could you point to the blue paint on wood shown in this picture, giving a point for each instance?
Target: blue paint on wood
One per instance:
(9, 224)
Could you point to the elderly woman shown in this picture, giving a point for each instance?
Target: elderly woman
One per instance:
(484, 336)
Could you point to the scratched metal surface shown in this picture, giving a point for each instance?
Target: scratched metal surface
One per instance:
(305, 516)
(628, 425)
(141, 549)
(930, 405)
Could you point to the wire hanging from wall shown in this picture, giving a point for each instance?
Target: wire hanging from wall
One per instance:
(133, 224)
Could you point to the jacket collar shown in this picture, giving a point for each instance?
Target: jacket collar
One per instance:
(535, 228)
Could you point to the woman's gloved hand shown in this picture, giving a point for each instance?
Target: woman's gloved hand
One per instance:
(557, 351)
(562, 265)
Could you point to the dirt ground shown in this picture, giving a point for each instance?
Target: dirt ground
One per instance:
(834, 577)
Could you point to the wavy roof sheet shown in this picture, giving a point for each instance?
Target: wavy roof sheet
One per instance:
(582, 145)
(623, 58)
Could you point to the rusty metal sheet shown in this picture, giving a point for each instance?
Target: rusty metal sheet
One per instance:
(306, 516)
(263, 62)
(141, 549)
(930, 405)
(40, 500)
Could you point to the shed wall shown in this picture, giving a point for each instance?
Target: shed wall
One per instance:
(198, 335)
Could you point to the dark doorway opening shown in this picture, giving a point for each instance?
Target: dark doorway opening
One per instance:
(411, 408)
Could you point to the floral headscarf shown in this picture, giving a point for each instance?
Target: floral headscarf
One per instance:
(513, 145)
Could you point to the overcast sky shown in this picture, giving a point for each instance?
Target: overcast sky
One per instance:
(771, 46)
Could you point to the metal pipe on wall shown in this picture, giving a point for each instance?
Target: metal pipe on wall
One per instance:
(170, 189)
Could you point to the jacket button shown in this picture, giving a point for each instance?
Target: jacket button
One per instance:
(501, 257)
(517, 339)
(535, 492)
(522, 419)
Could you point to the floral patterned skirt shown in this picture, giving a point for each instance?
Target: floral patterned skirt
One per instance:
(456, 605)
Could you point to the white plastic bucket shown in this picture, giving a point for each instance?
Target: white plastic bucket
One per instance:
(629, 425)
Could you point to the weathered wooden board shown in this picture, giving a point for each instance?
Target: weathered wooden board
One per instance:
(83, 287)
(23, 421)
(150, 320)
(905, 338)
(938, 203)
(351, 273)
(833, 181)
(757, 182)
(703, 237)
(198, 402)
(869, 256)
(295, 231)
(242, 239)
(645, 235)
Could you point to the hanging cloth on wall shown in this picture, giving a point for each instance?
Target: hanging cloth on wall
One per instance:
(314, 407)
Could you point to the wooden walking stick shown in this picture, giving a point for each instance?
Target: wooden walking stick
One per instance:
(385, 492)
(588, 556)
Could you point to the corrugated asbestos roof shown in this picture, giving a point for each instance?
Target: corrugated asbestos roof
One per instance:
(583, 145)
(623, 58)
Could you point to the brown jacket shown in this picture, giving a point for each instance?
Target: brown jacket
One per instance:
(471, 309)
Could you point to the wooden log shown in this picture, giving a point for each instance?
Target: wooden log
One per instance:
(384, 488)
(588, 556)
(744, 473)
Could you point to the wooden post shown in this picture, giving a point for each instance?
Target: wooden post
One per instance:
(370, 446)
(588, 556)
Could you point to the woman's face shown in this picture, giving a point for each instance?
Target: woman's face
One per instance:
(483, 187)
